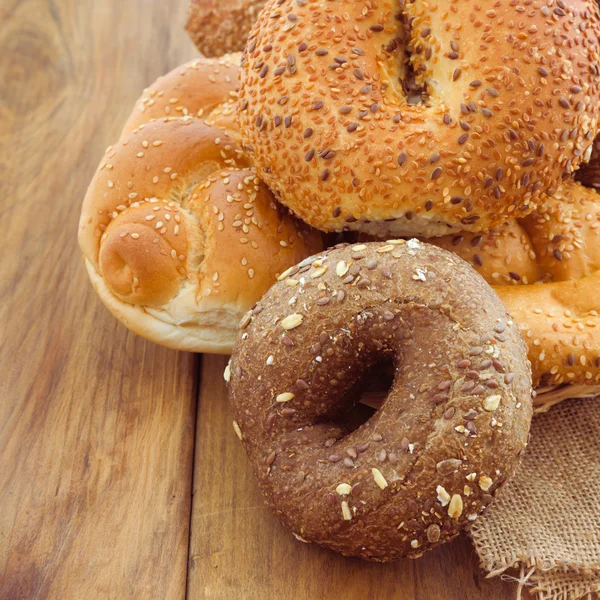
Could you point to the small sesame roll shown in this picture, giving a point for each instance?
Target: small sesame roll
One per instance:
(217, 28)
(494, 107)
(180, 236)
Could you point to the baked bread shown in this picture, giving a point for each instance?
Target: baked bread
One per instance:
(450, 433)
(218, 27)
(179, 235)
(508, 105)
(545, 268)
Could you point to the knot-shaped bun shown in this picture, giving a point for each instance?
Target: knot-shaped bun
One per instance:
(545, 267)
(179, 235)
(419, 118)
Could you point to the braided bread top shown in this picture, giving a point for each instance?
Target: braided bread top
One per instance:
(179, 235)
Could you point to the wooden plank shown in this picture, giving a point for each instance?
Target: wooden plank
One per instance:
(239, 550)
(96, 426)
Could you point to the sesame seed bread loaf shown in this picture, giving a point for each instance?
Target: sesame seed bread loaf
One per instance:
(495, 105)
(447, 437)
(179, 235)
(218, 27)
(545, 268)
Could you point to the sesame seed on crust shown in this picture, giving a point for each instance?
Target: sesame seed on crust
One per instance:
(526, 105)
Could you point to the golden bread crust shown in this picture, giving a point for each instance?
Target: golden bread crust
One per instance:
(179, 235)
(512, 100)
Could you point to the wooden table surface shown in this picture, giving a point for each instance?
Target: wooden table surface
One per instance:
(120, 475)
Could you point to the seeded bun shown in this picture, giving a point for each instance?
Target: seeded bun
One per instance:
(545, 268)
(495, 106)
(450, 432)
(218, 27)
(179, 235)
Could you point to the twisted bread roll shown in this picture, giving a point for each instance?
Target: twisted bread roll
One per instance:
(179, 235)
(545, 268)
(217, 27)
(447, 437)
(420, 118)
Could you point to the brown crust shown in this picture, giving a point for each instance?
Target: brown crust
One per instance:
(513, 105)
(545, 267)
(179, 235)
(218, 27)
(589, 174)
(450, 432)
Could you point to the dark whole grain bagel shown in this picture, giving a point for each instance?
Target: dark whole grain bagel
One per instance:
(450, 432)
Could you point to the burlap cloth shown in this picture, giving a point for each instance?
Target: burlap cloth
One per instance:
(544, 528)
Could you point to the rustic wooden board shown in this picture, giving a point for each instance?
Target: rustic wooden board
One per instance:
(239, 550)
(96, 426)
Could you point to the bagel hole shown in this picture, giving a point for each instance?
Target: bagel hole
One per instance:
(374, 388)
(358, 415)
(378, 388)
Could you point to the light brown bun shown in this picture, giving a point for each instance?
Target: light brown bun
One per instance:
(447, 437)
(502, 255)
(179, 235)
(545, 268)
(561, 325)
(202, 88)
(221, 26)
(512, 100)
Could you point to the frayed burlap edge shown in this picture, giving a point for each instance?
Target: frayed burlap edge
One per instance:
(543, 533)
(537, 578)
(554, 585)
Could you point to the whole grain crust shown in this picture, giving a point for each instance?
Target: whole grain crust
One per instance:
(450, 433)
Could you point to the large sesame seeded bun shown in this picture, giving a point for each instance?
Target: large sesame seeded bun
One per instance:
(179, 235)
(511, 101)
(217, 27)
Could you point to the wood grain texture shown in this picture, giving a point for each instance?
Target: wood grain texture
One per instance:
(96, 426)
(239, 550)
